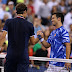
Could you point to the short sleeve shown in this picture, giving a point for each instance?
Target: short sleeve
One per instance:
(5, 28)
(32, 30)
(49, 39)
(65, 37)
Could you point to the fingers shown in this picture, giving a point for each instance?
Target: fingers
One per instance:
(39, 32)
(68, 66)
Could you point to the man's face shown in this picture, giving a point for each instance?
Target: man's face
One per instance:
(36, 21)
(54, 20)
(11, 7)
(4, 7)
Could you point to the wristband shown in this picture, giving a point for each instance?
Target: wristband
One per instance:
(39, 36)
(42, 40)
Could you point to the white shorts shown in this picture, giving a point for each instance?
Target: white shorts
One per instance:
(53, 68)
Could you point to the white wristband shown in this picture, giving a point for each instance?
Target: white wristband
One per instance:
(42, 40)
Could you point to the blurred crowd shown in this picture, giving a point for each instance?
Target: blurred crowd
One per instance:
(39, 14)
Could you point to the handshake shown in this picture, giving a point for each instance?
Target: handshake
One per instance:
(40, 35)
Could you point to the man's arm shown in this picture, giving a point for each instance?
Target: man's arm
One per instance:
(68, 49)
(2, 38)
(33, 40)
(46, 44)
(66, 41)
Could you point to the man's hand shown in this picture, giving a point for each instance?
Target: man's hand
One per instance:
(40, 33)
(68, 65)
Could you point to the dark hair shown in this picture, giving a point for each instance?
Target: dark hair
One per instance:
(36, 16)
(59, 15)
(70, 9)
(20, 8)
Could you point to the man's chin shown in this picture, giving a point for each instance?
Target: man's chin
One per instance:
(54, 24)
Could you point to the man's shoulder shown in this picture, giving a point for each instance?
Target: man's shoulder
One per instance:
(30, 24)
(10, 19)
(62, 29)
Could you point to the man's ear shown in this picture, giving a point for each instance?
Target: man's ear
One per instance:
(25, 12)
(59, 19)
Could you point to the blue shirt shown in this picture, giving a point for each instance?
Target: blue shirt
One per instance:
(57, 39)
(19, 31)
(4, 1)
(37, 29)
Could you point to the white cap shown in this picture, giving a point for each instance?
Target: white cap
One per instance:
(11, 3)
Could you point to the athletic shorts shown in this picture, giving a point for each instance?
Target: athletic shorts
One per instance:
(53, 68)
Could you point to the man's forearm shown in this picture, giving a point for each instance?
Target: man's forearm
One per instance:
(45, 44)
(36, 40)
(68, 49)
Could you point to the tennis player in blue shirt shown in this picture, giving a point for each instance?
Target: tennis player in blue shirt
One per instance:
(19, 32)
(60, 44)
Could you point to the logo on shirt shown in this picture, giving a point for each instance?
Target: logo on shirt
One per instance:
(55, 35)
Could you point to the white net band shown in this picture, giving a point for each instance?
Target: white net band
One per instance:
(44, 59)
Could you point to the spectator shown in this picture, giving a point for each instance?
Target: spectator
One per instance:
(4, 1)
(62, 7)
(14, 2)
(12, 9)
(54, 9)
(44, 12)
(37, 24)
(52, 3)
(37, 4)
(69, 5)
(36, 47)
(0, 3)
(30, 11)
(6, 16)
(46, 34)
(3, 11)
(51, 28)
(68, 20)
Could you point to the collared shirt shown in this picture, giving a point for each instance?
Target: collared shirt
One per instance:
(19, 31)
(58, 49)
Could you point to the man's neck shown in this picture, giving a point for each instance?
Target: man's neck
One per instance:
(58, 25)
(19, 15)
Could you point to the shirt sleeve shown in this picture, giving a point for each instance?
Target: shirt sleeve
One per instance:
(49, 39)
(32, 31)
(65, 37)
(5, 28)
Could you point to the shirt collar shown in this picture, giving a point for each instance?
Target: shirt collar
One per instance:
(20, 17)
